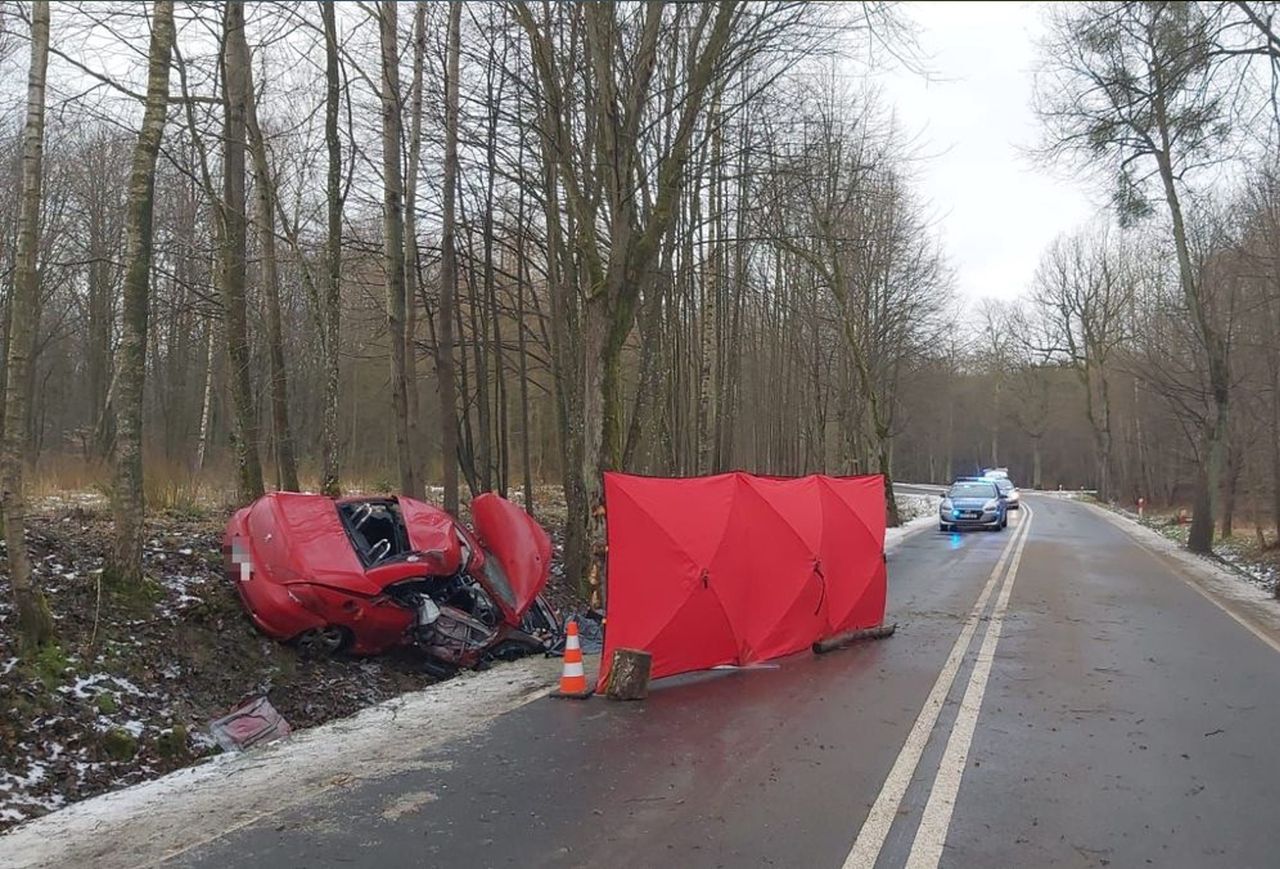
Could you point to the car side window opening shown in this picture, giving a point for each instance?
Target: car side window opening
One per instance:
(376, 529)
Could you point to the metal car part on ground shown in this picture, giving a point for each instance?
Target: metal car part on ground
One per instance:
(364, 575)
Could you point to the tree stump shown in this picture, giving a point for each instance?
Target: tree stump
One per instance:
(629, 675)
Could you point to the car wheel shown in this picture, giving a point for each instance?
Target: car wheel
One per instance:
(943, 526)
(322, 642)
(438, 670)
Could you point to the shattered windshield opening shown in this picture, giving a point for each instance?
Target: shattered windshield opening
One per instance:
(497, 580)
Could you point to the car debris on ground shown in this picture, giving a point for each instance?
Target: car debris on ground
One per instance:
(253, 722)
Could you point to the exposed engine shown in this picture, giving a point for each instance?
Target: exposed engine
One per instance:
(456, 618)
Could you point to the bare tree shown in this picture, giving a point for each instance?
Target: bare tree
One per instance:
(265, 193)
(231, 272)
(393, 233)
(35, 626)
(1083, 296)
(1135, 84)
(412, 257)
(128, 502)
(331, 319)
(449, 269)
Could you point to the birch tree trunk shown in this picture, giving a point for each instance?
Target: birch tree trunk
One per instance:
(393, 239)
(232, 265)
(331, 333)
(206, 401)
(449, 271)
(127, 491)
(35, 627)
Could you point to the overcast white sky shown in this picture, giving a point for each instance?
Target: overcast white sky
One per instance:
(996, 209)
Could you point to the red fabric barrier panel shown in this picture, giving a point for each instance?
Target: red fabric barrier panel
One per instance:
(737, 568)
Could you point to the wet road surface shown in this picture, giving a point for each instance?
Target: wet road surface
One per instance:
(1055, 696)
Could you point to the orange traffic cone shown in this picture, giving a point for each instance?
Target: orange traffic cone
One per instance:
(573, 681)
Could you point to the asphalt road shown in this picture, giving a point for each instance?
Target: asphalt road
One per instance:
(1055, 696)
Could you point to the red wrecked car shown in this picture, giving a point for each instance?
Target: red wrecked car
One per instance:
(364, 575)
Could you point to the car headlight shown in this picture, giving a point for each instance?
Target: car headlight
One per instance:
(945, 505)
(991, 505)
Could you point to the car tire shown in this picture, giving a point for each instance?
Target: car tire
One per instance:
(943, 526)
(323, 642)
(438, 670)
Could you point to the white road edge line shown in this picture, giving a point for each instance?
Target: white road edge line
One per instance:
(931, 835)
(866, 848)
(1181, 568)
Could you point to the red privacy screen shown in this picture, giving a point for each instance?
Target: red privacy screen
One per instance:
(737, 568)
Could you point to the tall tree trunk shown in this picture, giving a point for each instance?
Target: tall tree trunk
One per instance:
(709, 322)
(264, 188)
(1231, 485)
(995, 423)
(100, 324)
(206, 402)
(521, 273)
(35, 627)
(498, 451)
(127, 490)
(1037, 476)
(331, 333)
(1275, 452)
(449, 271)
(393, 237)
(1200, 537)
(521, 347)
(483, 441)
(232, 269)
(411, 258)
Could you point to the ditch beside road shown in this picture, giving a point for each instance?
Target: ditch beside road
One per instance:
(1092, 705)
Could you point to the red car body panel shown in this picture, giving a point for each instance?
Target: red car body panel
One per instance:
(520, 545)
(431, 531)
(295, 567)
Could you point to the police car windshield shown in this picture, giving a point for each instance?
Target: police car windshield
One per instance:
(973, 490)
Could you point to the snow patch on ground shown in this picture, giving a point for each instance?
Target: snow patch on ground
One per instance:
(917, 511)
(166, 816)
(89, 687)
(70, 499)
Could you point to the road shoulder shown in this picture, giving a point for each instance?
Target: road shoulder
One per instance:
(146, 823)
(1250, 606)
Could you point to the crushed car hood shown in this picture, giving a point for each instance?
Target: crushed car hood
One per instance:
(518, 553)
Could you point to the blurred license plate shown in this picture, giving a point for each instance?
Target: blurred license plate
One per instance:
(970, 514)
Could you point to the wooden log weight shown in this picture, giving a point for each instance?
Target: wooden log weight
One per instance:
(629, 675)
